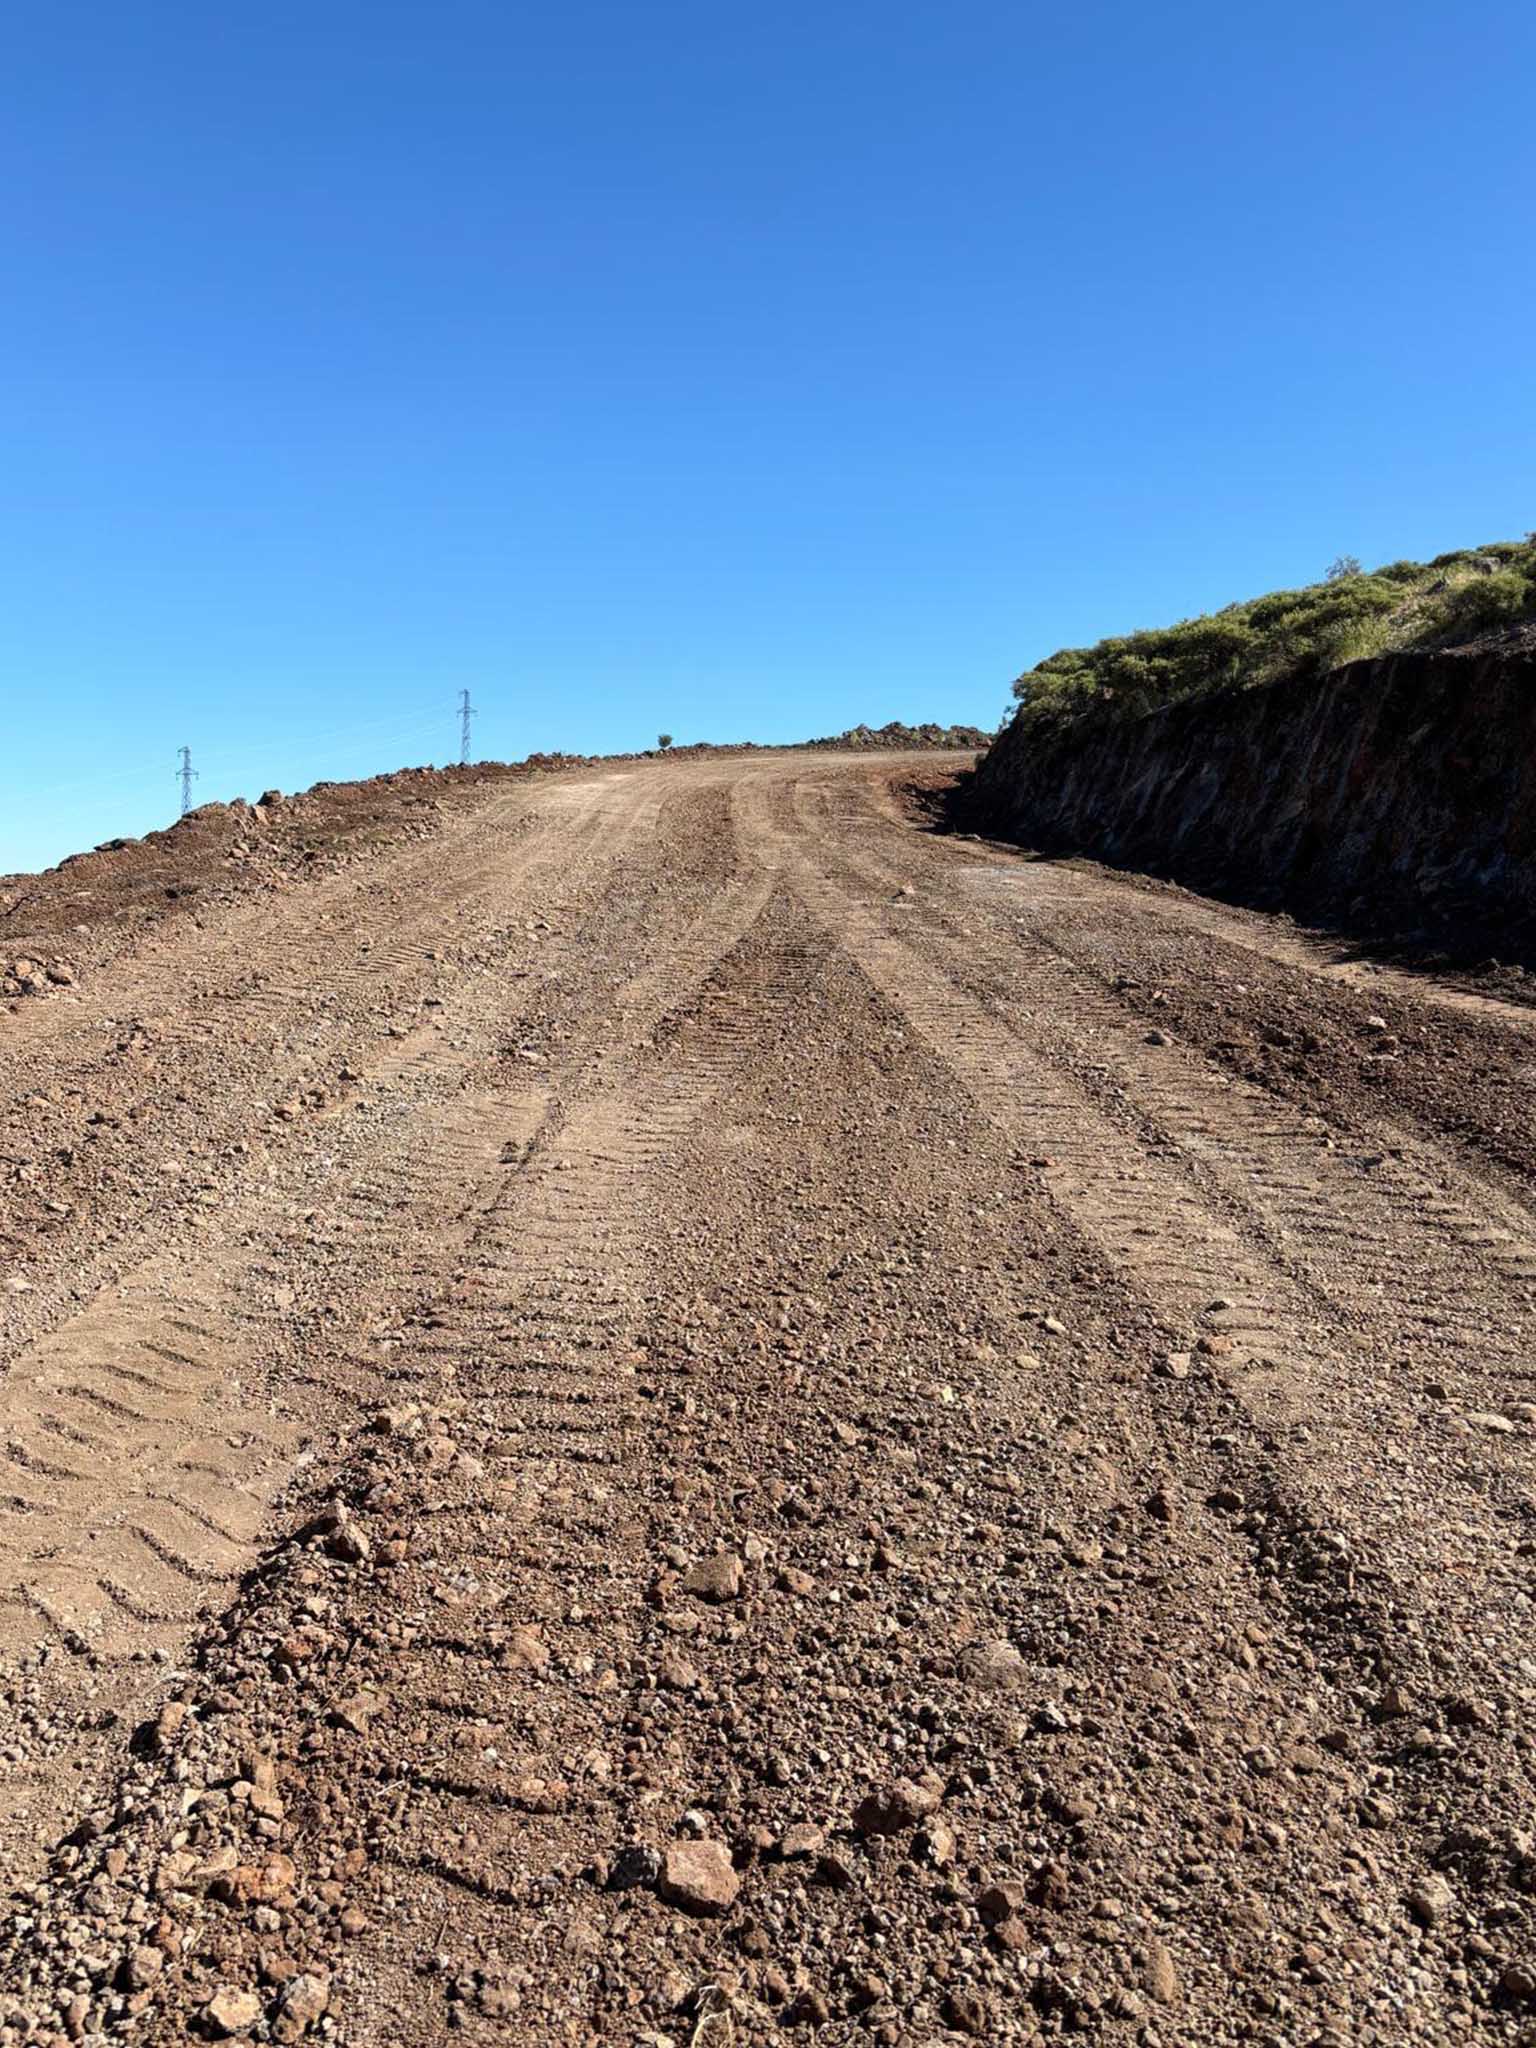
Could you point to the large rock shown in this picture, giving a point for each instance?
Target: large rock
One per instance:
(698, 1877)
(230, 2013)
(715, 1578)
(994, 1666)
(891, 1808)
(303, 2002)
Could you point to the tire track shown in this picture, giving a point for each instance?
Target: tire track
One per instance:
(141, 1442)
(539, 1346)
(247, 1054)
(1151, 1171)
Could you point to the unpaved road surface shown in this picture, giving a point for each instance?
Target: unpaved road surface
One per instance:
(685, 1409)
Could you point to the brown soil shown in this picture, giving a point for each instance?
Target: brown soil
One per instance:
(674, 1409)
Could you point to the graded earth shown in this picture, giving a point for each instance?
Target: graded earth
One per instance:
(652, 1404)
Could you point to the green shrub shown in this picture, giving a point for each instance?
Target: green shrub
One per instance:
(1487, 601)
(1354, 640)
(1288, 635)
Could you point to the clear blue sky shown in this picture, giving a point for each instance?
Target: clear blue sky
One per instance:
(742, 371)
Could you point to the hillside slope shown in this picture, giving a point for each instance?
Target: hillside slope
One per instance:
(1400, 791)
(1363, 749)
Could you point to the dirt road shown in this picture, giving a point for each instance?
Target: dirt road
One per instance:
(688, 1409)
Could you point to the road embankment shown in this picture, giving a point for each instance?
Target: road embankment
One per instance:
(1403, 790)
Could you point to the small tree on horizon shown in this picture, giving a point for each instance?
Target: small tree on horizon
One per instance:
(663, 740)
(1342, 567)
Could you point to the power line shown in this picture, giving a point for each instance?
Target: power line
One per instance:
(237, 761)
(188, 776)
(233, 760)
(243, 756)
(466, 713)
(244, 762)
(298, 738)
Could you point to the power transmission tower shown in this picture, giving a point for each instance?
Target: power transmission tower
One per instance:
(466, 713)
(188, 775)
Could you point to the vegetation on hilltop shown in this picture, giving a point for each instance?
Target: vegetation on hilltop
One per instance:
(1290, 635)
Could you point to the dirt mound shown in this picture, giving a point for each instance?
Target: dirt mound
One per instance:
(83, 911)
